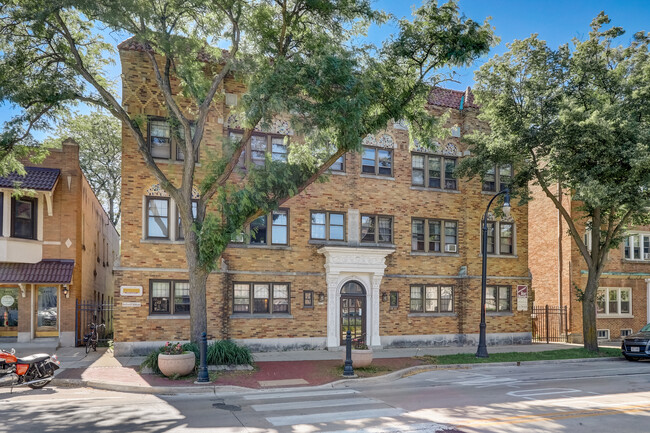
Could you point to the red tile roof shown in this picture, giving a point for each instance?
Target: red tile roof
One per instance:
(45, 271)
(452, 98)
(39, 178)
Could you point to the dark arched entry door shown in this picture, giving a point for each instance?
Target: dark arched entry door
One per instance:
(353, 307)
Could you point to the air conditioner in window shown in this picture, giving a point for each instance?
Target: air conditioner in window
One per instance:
(646, 256)
(450, 248)
(231, 99)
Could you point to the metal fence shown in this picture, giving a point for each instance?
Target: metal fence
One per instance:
(550, 324)
(88, 312)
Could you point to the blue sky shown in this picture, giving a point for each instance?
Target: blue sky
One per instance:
(555, 21)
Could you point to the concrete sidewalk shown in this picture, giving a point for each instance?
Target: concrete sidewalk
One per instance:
(290, 368)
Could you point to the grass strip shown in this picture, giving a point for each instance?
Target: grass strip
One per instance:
(470, 358)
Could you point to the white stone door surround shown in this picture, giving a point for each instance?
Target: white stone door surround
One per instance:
(364, 265)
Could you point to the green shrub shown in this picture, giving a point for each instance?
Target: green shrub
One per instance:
(151, 360)
(193, 347)
(227, 352)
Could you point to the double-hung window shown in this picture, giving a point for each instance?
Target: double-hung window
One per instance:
(339, 165)
(614, 301)
(165, 143)
(261, 298)
(431, 171)
(169, 297)
(636, 246)
(270, 229)
(376, 229)
(434, 236)
(500, 238)
(259, 145)
(432, 299)
(497, 299)
(157, 221)
(179, 228)
(497, 178)
(377, 161)
(328, 226)
(24, 217)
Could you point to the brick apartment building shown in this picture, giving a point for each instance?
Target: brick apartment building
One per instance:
(57, 246)
(388, 247)
(558, 268)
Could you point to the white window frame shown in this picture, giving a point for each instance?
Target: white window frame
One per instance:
(628, 331)
(606, 331)
(627, 243)
(607, 314)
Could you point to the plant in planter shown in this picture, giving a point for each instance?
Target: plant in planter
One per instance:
(174, 361)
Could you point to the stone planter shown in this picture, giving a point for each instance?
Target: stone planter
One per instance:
(176, 365)
(360, 357)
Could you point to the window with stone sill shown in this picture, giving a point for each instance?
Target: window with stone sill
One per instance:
(431, 171)
(259, 145)
(377, 229)
(497, 178)
(270, 229)
(614, 301)
(503, 243)
(434, 236)
(261, 298)
(498, 299)
(24, 217)
(179, 229)
(157, 218)
(162, 301)
(327, 226)
(165, 142)
(427, 298)
(377, 161)
(636, 246)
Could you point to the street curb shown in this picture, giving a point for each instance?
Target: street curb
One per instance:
(214, 389)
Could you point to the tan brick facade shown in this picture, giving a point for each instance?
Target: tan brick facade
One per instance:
(77, 229)
(304, 268)
(545, 264)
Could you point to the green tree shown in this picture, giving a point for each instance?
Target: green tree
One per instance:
(99, 137)
(296, 57)
(577, 117)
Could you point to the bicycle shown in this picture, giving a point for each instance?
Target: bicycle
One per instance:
(92, 338)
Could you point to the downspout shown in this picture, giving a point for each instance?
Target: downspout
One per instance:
(559, 248)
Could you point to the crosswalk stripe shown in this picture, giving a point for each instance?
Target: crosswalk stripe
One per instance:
(298, 394)
(278, 421)
(397, 427)
(314, 404)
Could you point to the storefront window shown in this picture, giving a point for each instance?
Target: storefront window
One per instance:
(8, 308)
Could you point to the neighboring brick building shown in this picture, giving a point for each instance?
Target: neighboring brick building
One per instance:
(388, 247)
(56, 246)
(623, 303)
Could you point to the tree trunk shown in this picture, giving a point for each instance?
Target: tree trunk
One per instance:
(198, 278)
(589, 311)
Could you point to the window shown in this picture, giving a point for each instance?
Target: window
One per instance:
(262, 298)
(613, 301)
(377, 161)
(339, 165)
(637, 246)
(497, 178)
(376, 229)
(24, 217)
(432, 299)
(626, 332)
(394, 299)
(162, 300)
(329, 226)
(271, 229)
(2, 200)
(157, 226)
(179, 230)
(259, 145)
(308, 299)
(427, 171)
(427, 236)
(163, 142)
(497, 298)
(503, 243)
(603, 334)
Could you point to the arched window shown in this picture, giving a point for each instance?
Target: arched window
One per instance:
(353, 288)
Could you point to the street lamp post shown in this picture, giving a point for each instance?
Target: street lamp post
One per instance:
(482, 346)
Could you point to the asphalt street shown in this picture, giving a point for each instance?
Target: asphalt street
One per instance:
(598, 396)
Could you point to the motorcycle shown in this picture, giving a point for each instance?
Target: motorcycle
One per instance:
(35, 371)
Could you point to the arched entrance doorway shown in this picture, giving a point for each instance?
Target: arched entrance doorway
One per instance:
(353, 308)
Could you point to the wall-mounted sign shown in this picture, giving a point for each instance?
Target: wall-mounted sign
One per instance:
(522, 298)
(130, 290)
(7, 301)
(132, 304)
